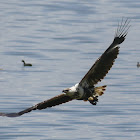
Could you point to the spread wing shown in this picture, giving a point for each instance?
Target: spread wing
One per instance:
(103, 64)
(60, 99)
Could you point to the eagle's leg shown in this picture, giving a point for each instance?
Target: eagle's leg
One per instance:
(93, 100)
(90, 95)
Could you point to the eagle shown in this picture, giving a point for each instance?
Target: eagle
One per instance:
(85, 90)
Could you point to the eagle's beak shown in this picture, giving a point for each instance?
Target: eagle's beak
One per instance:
(65, 90)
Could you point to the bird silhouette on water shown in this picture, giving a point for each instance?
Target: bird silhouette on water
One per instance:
(26, 64)
(138, 64)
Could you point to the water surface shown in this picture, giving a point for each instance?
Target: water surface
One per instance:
(62, 39)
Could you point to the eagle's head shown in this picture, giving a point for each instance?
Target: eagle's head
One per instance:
(71, 91)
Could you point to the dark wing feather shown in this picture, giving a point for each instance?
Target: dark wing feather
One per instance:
(101, 67)
(60, 99)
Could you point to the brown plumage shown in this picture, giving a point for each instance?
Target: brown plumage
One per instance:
(86, 90)
(60, 99)
(101, 67)
(104, 63)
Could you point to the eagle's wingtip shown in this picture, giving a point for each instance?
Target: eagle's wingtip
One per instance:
(122, 30)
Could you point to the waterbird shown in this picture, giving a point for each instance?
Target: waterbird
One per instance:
(85, 90)
(138, 64)
(26, 64)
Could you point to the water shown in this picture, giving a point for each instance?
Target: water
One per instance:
(62, 39)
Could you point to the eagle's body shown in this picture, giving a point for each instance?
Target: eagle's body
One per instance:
(84, 93)
(85, 89)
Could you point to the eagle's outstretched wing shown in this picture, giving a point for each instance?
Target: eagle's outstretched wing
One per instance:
(60, 99)
(101, 67)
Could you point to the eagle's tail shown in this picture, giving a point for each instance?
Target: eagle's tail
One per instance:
(100, 90)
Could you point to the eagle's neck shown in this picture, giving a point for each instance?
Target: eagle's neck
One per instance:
(75, 92)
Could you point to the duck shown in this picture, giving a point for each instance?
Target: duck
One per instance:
(26, 64)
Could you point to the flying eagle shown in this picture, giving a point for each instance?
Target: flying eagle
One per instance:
(85, 90)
